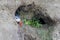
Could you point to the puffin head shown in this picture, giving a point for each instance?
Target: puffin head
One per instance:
(18, 20)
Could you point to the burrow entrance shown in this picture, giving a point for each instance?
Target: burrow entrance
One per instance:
(35, 15)
(33, 12)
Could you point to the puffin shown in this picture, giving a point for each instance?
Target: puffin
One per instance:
(17, 17)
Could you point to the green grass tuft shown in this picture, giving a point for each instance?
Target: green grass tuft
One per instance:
(33, 23)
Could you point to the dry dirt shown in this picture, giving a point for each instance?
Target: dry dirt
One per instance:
(8, 26)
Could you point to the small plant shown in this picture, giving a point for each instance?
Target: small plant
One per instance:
(33, 23)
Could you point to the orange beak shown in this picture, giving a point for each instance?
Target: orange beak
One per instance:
(20, 23)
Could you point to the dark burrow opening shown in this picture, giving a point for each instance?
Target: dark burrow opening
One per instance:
(41, 21)
(31, 11)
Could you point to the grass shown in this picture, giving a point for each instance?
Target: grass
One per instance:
(33, 23)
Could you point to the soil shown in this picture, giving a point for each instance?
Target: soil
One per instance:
(9, 27)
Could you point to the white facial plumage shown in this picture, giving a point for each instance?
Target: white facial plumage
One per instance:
(17, 19)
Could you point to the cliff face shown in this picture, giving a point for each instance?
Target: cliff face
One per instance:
(8, 26)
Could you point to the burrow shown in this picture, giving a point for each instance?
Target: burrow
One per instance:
(32, 11)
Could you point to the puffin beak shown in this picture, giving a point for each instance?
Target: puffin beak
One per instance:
(20, 23)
